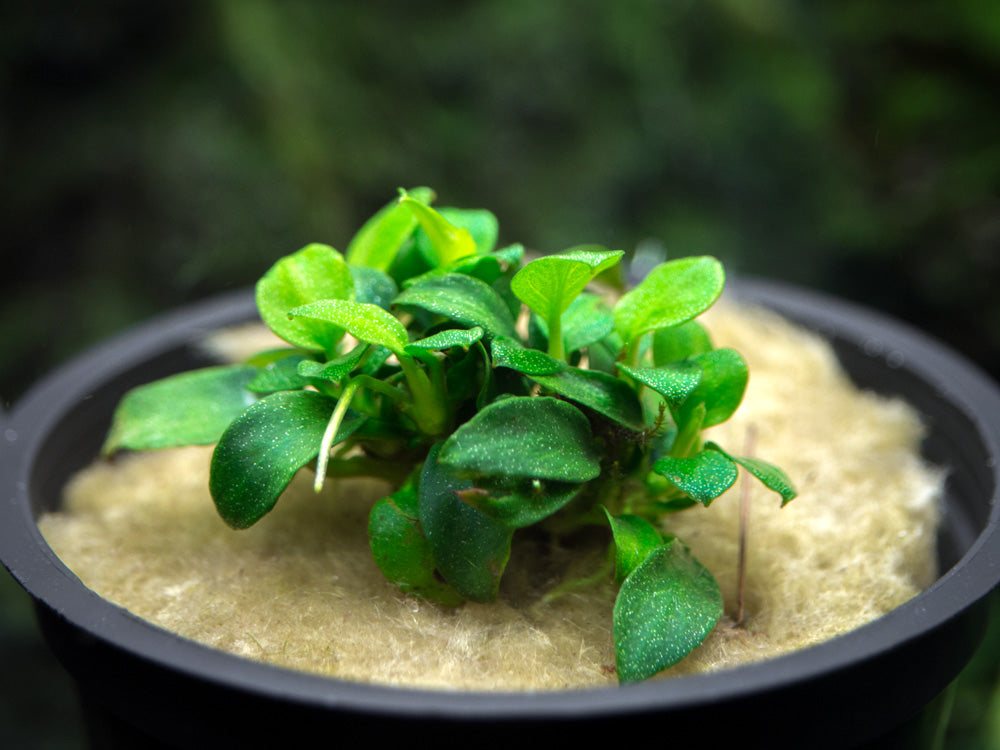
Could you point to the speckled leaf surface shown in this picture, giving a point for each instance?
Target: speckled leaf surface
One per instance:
(461, 298)
(703, 477)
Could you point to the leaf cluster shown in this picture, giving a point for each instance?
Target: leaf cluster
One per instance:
(496, 394)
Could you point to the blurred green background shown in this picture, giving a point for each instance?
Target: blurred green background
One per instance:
(157, 152)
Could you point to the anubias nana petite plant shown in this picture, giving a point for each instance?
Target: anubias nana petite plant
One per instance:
(497, 395)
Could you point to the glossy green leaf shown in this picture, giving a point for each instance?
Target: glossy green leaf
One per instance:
(463, 299)
(523, 437)
(664, 610)
(363, 320)
(680, 342)
(635, 538)
(723, 383)
(521, 506)
(673, 293)
(470, 549)
(599, 391)
(481, 224)
(447, 243)
(313, 273)
(280, 375)
(379, 239)
(463, 337)
(190, 408)
(769, 475)
(675, 382)
(336, 369)
(264, 447)
(549, 284)
(400, 549)
(508, 352)
(374, 286)
(703, 476)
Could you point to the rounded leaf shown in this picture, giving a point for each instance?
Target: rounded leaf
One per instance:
(702, 477)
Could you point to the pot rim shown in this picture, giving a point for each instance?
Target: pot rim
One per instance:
(51, 583)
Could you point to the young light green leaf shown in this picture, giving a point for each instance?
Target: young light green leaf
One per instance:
(377, 242)
(264, 447)
(481, 224)
(448, 243)
(769, 475)
(463, 337)
(635, 538)
(524, 437)
(723, 382)
(703, 476)
(400, 549)
(679, 342)
(461, 298)
(148, 417)
(363, 320)
(673, 293)
(664, 610)
(521, 506)
(675, 382)
(549, 284)
(313, 273)
(470, 549)
(508, 352)
(599, 391)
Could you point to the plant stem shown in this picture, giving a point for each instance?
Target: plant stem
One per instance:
(331, 432)
(556, 347)
(429, 410)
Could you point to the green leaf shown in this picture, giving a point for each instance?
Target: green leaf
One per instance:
(521, 506)
(672, 293)
(481, 224)
(379, 239)
(675, 382)
(509, 353)
(461, 298)
(723, 383)
(548, 285)
(264, 447)
(664, 610)
(524, 437)
(769, 475)
(400, 549)
(635, 538)
(336, 369)
(363, 320)
(463, 337)
(679, 342)
(599, 391)
(470, 549)
(374, 286)
(313, 273)
(448, 243)
(280, 375)
(149, 417)
(703, 476)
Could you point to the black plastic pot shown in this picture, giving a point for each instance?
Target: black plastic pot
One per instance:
(140, 684)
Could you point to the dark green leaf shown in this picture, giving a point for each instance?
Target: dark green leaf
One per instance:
(599, 391)
(461, 298)
(770, 475)
(400, 549)
(463, 337)
(374, 286)
(470, 549)
(679, 342)
(635, 538)
(723, 383)
(521, 506)
(508, 352)
(675, 382)
(379, 239)
(664, 610)
(313, 273)
(191, 408)
(336, 369)
(673, 293)
(280, 375)
(703, 477)
(264, 447)
(530, 438)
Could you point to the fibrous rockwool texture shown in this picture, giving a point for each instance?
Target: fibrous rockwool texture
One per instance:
(300, 588)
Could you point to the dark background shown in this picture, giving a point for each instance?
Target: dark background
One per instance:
(157, 152)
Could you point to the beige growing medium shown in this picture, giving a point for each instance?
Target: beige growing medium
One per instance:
(300, 589)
